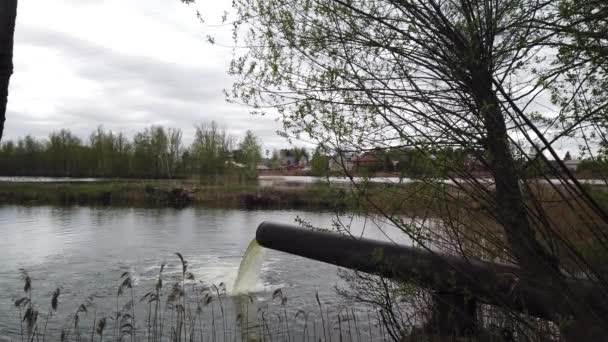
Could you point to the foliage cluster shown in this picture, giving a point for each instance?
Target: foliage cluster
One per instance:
(155, 152)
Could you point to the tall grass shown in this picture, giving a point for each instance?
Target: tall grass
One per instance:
(188, 310)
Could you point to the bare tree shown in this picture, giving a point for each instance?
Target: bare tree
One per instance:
(433, 75)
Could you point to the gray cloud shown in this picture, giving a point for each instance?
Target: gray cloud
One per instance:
(119, 72)
(134, 92)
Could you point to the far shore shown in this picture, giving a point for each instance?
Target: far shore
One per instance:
(267, 179)
(266, 192)
(164, 193)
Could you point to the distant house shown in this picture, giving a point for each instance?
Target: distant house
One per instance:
(341, 161)
(368, 161)
(572, 164)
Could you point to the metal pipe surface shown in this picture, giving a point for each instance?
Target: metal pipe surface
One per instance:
(490, 283)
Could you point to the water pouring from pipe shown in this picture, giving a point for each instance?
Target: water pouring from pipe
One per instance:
(248, 277)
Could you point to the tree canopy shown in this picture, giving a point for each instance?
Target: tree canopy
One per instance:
(154, 152)
(364, 75)
(250, 151)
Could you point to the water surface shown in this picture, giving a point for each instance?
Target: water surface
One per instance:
(84, 251)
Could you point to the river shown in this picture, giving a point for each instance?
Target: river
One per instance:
(84, 251)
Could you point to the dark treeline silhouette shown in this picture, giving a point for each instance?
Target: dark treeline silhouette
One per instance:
(155, 152)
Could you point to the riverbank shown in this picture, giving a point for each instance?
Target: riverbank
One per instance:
(171, 194)
(411, 198)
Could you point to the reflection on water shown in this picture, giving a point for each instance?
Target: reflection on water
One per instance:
(85, 250)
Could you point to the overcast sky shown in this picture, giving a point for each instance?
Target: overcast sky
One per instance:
(123, 64)
(126, 65)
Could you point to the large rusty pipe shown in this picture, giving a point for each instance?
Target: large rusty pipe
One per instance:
(490, 283)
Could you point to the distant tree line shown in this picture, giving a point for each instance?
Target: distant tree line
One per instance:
(155, 152)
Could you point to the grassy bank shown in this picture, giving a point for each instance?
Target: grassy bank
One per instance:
(175, 194)
(413, 199)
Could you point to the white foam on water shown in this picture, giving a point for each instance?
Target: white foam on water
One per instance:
(208, 270)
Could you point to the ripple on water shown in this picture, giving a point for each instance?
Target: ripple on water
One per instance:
(85, 251)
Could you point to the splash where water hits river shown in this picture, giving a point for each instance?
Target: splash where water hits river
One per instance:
(84, 251)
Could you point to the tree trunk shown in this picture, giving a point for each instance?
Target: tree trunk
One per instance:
(8, 13)
(538, 267)
(532, 257)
